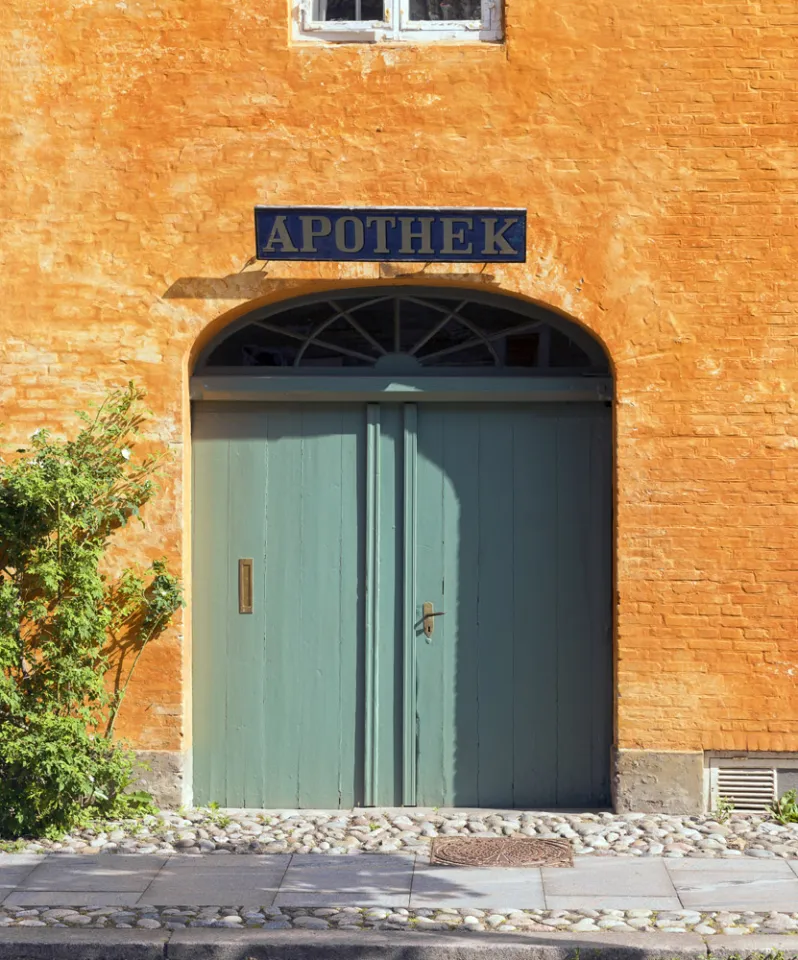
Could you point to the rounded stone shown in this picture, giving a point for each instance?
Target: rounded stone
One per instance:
(311, 923)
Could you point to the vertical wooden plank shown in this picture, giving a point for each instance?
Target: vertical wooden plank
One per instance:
(461, 457)
(599, 550)
(260, 777)
(448, 576)
(576, 633)
(244, 666)
(409, 604)
(282, 597)
(431, 731)
(219, 736)
(316, 605)
(457, 675)
(447, 628)
(210, 597)
(390, 560)
(495, 611)
(371, 765)
(352, 533)
(319, 652)
(535, 549)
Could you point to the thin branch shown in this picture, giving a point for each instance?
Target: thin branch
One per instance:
(121, 695)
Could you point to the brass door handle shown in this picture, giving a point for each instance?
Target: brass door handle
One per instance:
(428, 618)
(245, 599)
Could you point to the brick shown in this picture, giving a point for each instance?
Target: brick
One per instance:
(654, 150)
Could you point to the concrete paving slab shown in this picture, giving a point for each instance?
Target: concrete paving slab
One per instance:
(735, 885)
(21, 859)
(612, 903)
(617, 877)
(517, 888)
(364, 872)
(205, 881)
(89, 874)
(342, 898)
(70, 898)
(15, 868)
(364, 880)
(745, 868)
(387, 861)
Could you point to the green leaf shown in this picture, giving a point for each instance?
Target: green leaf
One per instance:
(62, 621)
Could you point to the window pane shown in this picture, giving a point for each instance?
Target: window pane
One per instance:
(349, 9)
(445, 9)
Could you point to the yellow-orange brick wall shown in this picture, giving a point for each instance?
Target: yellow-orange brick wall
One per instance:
(655, 146)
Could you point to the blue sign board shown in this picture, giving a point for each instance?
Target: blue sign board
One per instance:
(382, 234)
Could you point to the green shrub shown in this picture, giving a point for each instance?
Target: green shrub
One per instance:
(723, 810)
(785, 810)
(60, 503)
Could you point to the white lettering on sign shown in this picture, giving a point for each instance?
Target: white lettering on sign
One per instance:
(310, 233)
(358, 232)
(450, 235)
(382, 234)
(382, 224)
(494, 237)
(424, 235)
(280, 235)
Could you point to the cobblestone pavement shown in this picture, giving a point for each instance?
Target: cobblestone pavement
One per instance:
(400, 891)
(384, 918)
(603, 834)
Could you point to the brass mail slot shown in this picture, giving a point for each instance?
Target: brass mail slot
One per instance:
(245, 586)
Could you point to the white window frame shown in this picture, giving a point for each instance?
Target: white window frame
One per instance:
(397, 26)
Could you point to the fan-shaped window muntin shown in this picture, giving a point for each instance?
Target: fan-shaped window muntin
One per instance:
(425, 331)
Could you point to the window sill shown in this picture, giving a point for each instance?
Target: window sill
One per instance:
(462, 32)
(386, 38)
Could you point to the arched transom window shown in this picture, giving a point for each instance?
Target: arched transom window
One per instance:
(405, 330)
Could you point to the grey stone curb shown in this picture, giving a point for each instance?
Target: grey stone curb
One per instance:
(22, 944)
(428, 946)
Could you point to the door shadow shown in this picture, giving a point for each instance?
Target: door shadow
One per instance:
(514, 688)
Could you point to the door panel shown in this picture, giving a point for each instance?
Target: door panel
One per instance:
(278, 701)
(513, 689)
(329, 694)
(447, 575)
(229, 470)
(535, 579)
(387, 577)
(583, 620)
(495, 638)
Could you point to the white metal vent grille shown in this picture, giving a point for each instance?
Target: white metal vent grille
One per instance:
(749, 789)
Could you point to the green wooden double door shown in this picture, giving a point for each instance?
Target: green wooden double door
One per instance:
(359, 519)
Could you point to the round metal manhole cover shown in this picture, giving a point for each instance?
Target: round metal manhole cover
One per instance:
(501, 852)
